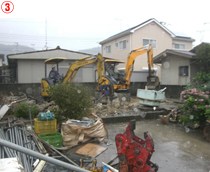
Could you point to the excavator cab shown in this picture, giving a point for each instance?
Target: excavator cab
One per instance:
(111, 70)
(48, 82)
(112, 75)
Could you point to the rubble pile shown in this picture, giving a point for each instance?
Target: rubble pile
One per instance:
(16, 132)
(117, 108)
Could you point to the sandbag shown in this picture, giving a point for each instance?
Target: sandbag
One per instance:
(74, 134)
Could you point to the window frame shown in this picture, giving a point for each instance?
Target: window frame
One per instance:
(176, 43)
(122, 44)
(183, 70)
(106, 48)
(150, 40)
(116, 44)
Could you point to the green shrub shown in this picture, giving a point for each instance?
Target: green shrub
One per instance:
(74, 100)
(196, 107)
(22, 110)
(201, 82)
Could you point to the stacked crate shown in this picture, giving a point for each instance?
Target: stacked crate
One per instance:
(48, 126)
(45, 126)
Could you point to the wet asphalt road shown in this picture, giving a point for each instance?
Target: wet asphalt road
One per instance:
(175, 149)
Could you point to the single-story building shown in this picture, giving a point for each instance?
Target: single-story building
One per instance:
(29, 67)
(178, 67)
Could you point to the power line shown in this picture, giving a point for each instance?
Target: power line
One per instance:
(43, 21)
(8, 35)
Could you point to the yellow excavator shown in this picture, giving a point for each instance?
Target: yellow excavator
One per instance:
(120, 82)
(47, 81)
(72, 71)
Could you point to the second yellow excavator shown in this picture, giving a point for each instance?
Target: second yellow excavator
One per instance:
(120, 82)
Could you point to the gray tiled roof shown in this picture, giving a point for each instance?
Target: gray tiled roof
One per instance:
(125, 32)
(57, 48)
(182, 53)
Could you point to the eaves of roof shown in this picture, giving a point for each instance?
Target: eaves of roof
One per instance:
(157, 22)
(186, 54)
(133, 29)
(123, 32)
(57, 48)
(180, 38)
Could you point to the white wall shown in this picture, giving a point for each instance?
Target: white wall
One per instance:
(30, 71)
(88, 75)
(31, 66)
(139, 76)
(170, 72)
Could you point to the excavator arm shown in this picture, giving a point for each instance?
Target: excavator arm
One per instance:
(72, 71)
(112, 84)
(74, 67)
(152, 80)
(100, 67)
(131, 59)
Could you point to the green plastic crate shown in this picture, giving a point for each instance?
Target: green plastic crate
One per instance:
(54, 139)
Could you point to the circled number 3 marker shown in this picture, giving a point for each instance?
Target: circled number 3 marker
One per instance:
(7, 7)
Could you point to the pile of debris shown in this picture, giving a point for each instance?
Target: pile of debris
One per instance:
(16, 132)
(32, 142)
(19, 140)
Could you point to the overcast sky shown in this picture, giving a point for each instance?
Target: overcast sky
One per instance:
(81, 24)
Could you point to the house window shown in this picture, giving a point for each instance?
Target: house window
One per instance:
(122, 45)
(183, 70)
(116, 44)
(149, 41)
(179, 46)
(108, 49)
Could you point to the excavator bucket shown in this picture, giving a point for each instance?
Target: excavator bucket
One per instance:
(152, 82)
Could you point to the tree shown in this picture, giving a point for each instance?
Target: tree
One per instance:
(203, 53)
(74, 100)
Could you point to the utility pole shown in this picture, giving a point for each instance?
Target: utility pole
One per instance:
(46, 34)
